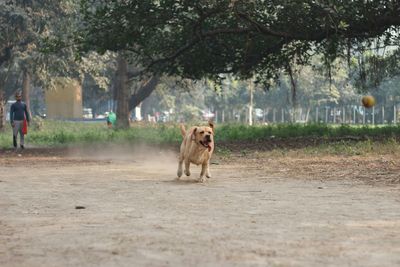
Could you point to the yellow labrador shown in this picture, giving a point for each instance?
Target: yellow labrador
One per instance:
(197, 147)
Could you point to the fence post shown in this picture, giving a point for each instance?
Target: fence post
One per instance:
(301, 115)
(307, 114)
(283, 116)
(373, 115)
(326, 115)
(364, 115)
(354, 115)
(264, 115)
(334, 115)
(223, 116)
(383, 114)
(316, 115)
(394, 115)
(344, 115)
(274, 115)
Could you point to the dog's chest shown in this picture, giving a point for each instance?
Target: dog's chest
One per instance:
(199, 158)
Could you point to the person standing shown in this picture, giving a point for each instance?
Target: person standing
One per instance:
(111, 119)
(18, 113)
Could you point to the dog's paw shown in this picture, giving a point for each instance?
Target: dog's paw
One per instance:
(201, 180)
(208, 175)
(187, 172)
(179, 173)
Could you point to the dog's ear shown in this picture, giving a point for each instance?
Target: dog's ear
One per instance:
(194, 134)
(211, 124)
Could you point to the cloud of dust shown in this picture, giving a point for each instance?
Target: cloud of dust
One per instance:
(151, 157)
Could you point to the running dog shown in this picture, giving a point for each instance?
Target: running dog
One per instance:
(197, 147)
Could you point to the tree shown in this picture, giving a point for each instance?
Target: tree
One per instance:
(27, 25)
(13, 26)
(196, 39)
(22, 25)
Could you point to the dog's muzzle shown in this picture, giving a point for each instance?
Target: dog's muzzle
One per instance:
(206, 143)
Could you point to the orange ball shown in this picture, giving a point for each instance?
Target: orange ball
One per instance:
(368, 101)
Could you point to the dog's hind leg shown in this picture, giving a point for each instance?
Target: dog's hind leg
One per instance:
(179, 172)
(187, 167)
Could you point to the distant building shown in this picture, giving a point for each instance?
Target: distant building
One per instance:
(64, 102)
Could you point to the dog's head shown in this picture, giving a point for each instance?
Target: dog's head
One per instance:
(204, 136)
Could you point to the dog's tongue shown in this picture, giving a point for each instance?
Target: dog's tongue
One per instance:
(207, 145)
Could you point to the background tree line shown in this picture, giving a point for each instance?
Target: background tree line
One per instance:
(203, 53)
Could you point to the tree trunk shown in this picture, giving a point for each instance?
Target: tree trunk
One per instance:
(2, 110)
(251, 87)
(294, 92)
(122, 93)
(26, 82)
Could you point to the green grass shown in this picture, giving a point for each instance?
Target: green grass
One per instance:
(342, 149)
(58, 133)
(347, 148)
(232, 132)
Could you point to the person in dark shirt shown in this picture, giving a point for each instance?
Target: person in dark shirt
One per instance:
(18, 112)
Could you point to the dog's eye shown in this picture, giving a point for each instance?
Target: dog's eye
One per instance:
(202, 132)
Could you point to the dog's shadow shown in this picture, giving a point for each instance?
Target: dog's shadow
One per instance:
(184, 181)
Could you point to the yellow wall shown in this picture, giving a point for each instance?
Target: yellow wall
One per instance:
(64, 102)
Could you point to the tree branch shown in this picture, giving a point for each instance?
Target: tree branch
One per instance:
(195, 40)
(143, 92)
(354, 31)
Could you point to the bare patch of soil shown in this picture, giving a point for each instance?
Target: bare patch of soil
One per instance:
(123, 207)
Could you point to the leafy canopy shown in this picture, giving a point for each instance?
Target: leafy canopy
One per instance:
(205, 38)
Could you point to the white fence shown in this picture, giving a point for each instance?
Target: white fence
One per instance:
(320, 114)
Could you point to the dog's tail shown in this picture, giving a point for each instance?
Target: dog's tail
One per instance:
(183, 130)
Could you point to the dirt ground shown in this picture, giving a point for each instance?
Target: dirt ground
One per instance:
(123, 207)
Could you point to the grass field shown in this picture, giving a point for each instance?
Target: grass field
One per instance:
(331, 139)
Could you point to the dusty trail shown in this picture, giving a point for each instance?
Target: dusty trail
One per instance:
(255, 211)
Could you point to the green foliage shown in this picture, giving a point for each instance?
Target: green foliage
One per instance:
(376, 66)
(197, 39)
(57, 133)
(26, 30)
(23, 24)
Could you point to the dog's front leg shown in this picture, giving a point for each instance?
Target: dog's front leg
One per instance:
(187, 167)
(203, 171)
(208, 174)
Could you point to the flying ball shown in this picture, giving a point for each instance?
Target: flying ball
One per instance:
(368, 101)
